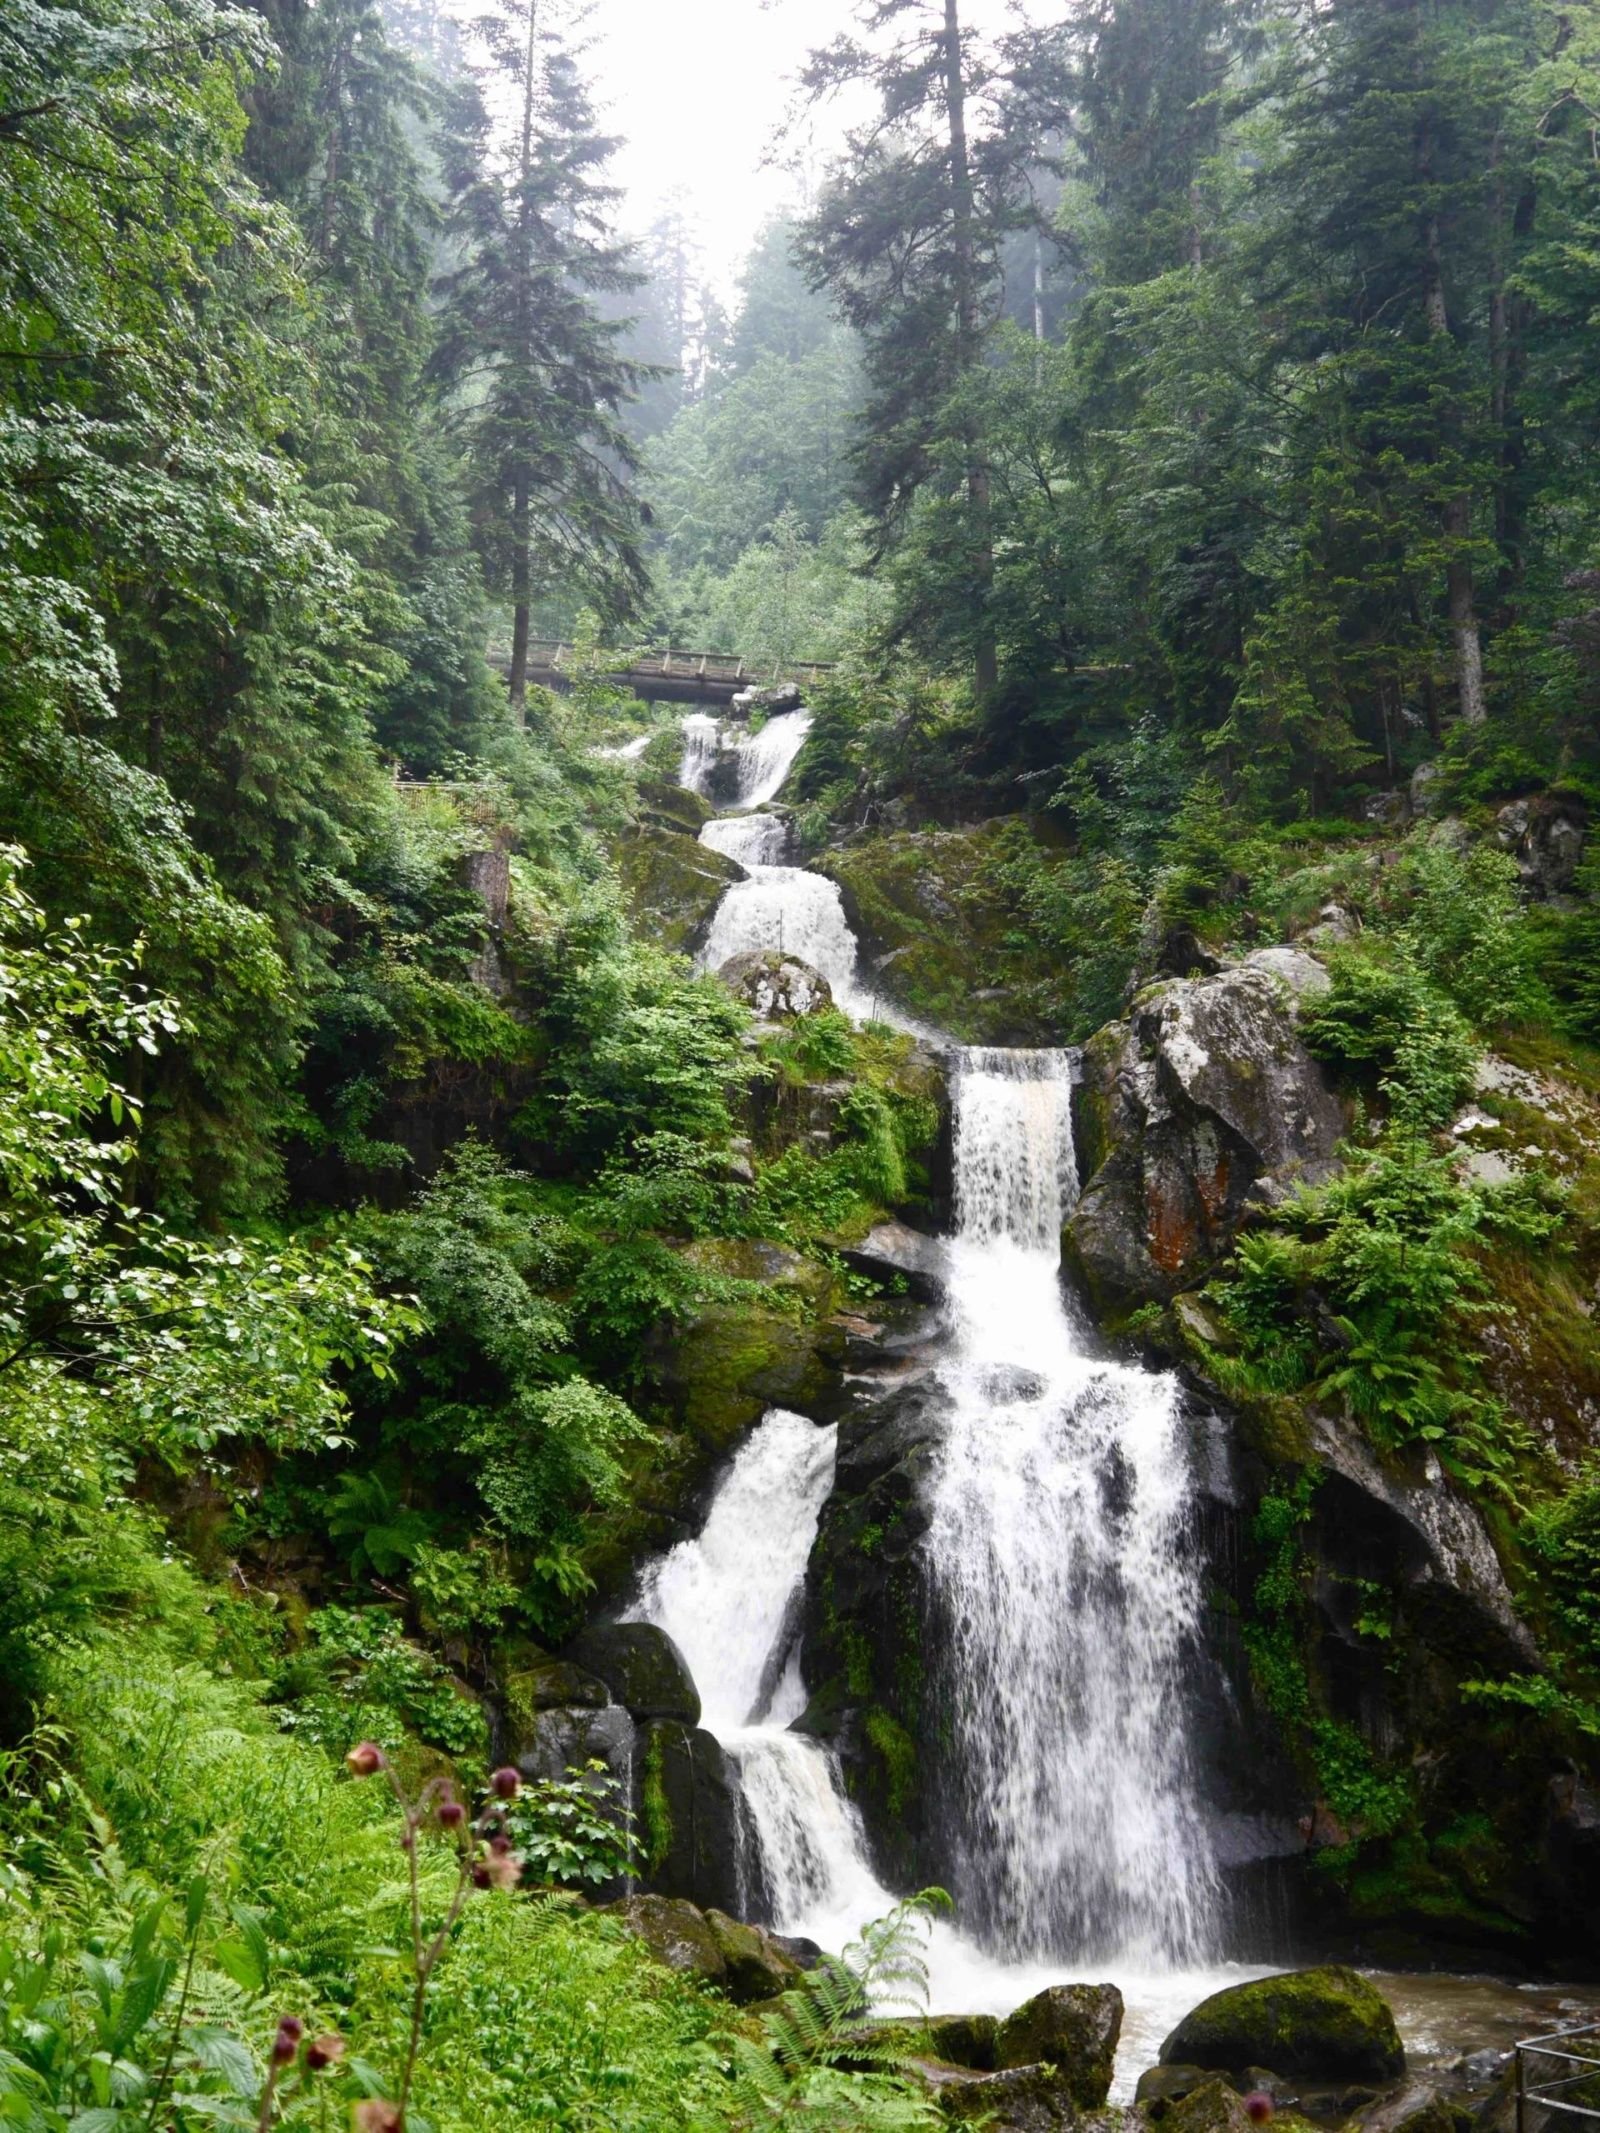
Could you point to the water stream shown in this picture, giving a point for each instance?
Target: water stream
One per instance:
(1059, 1561)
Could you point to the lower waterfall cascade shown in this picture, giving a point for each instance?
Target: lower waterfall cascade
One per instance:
(1064, 1590)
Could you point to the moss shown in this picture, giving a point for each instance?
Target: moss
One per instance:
(932, 902)
(732, 1363)
(672, 883)
(656, 1811)
(1326, 2024)
(897, 1753)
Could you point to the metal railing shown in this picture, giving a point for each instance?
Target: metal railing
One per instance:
(1559, 2072)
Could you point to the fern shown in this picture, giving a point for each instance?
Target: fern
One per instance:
(821, 2060)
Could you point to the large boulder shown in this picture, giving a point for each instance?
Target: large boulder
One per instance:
(642, 1668)
(549, 1743)
(1075, 2028)
(1021, 2099)
(1327, 2024)
(686, 1809)
(757, 1965)
(677, 1933)
(672, 883)
(1204, 1103)
(1545, 836)
(775, 987)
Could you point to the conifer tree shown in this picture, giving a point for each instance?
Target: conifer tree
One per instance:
(539, 375)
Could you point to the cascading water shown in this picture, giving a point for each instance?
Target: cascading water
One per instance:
(730, 1600)
(1056, 1559)
(742, 769)
(753, 840)
(1060, 1574)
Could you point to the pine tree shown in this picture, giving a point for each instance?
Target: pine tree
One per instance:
(907, 236)
(538, 373)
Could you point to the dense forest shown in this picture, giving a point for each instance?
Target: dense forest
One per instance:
(1174, 427)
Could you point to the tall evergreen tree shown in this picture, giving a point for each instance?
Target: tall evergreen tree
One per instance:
(539, 374)
(907, 236)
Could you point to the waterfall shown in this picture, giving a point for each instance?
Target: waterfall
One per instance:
(742, 769)
(1063, 1589)
(730, 1599)
(753, 840)
(1061, 1573)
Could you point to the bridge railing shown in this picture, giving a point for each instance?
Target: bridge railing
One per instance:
(552, 655)
(1558, 2076)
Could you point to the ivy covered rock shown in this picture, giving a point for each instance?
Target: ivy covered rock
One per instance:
(1204, 1102)
(1075, 2028)
(1327, 2024)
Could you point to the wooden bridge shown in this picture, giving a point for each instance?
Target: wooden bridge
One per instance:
(667, 676)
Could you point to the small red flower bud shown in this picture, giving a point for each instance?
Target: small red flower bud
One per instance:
(505, 1784)
(451, 1814)
(481, 1877)
(1258, 2107)
(499, 1844)
(365, 1758)
(287, 2042)
(324, 2050)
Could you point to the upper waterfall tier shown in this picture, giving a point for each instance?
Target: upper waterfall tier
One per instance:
(736, 767)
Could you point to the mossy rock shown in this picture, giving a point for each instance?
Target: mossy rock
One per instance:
(1022, 2099)
(641, 1666)
(757, 1968)
(942, 936)
(732, 1362)
(673, 807)
(1327, 2024)
(1073, 2027)
(672, 883)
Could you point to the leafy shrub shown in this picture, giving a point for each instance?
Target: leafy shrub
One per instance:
(1383, 1014)
(1468, 931)
(363, 1679)
(1563, 1537)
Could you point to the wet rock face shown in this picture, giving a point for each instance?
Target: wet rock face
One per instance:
(1327, 2024)
(687, 1810)
(642, 1668)
(866, 1626)
(1204, 1100)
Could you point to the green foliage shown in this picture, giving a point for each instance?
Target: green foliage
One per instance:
(572, 1832)
(1563, 1538)
(1382, 1013)
(803, 2071)
(363, 1679)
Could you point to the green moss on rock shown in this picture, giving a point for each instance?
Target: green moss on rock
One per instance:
(1327, 2024)
(672, 884)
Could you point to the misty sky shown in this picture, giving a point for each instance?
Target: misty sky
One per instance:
(700, 88)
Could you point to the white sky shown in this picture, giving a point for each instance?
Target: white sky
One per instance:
(700, 90)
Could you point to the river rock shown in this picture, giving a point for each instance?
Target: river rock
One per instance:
(1075, 2028)
(895, 1249)
(757, 1965)
(642, 1668)
(777, 988)
(677, 1933)
(1022, 2099)
(774, 699)
(1326, 2024)
(672, 807)
(1182, 1111)
(686, 1809)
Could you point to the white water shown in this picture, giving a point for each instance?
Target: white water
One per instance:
(1066, 1595)
(753, 840)
(1056, 1556)
(626, 751)
(761, 761)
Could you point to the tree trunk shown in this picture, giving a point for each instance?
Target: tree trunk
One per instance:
(964, 246)
(1455, 517)
(521, 512)
(521, 585)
